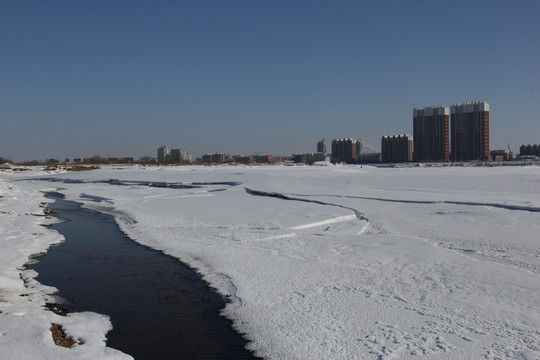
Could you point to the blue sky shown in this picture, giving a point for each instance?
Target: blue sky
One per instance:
(120, 78)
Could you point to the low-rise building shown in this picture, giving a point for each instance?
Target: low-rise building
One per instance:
(214, 158)
(369, 158)
(263, 159)
(500, 155)
(278, 159)
(310, 158)
(244, 160)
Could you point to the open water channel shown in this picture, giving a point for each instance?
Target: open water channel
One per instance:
(159, 308)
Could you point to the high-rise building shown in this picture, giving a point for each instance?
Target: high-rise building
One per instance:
(344, 150)
(469, 131)
(162, 154)
(321, 146)
(180, 156)
(525, 150)
(431, 134)
(358, 148)
(397, 148)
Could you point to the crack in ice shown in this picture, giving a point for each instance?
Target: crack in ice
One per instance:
(429, 202)
(359, 215)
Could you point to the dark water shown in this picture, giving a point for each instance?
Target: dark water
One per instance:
(159, 308)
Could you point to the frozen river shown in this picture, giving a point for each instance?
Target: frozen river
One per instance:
(330, 262)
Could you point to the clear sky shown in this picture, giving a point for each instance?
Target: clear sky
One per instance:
(120, 78)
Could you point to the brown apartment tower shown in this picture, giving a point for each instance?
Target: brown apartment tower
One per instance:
(431, 134)
(397, 148)
(344, 150)
(470, 131)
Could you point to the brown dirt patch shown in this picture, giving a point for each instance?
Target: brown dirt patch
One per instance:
(59, 336)
(81, 168)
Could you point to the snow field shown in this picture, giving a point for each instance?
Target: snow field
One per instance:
(345, 262)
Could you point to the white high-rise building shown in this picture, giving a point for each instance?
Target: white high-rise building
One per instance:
(162, 154)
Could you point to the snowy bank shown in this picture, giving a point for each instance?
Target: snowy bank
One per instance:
(24, 321)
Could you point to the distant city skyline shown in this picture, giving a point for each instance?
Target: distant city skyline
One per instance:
(119, 79)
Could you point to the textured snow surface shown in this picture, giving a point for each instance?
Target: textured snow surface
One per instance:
(330, 262)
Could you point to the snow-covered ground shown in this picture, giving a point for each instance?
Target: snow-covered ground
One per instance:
(322, 262)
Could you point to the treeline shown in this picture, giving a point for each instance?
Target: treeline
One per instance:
(3, 160)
